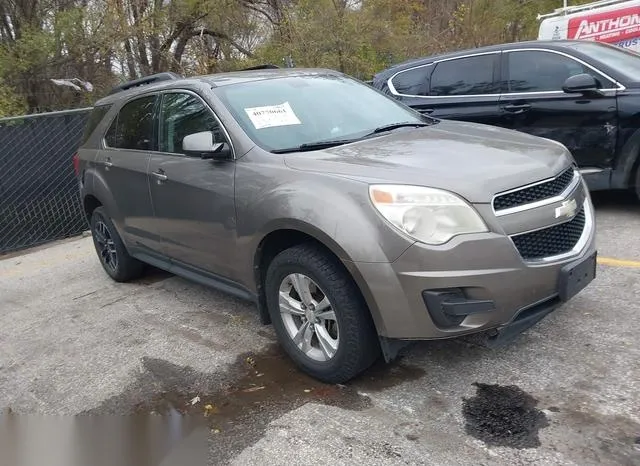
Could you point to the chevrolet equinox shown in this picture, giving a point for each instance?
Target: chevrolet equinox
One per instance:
(353, 222)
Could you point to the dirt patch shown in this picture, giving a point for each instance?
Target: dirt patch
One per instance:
(503, 416)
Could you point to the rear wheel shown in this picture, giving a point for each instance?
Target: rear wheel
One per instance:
(111, 251)
(636, 184)
(319, 315)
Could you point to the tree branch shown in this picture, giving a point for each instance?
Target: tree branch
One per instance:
(251, 7)
(181, 27)
(222, 36)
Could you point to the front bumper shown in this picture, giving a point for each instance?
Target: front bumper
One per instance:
(482, 283)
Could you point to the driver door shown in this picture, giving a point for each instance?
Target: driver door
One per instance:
(193, 198)
(533, 101)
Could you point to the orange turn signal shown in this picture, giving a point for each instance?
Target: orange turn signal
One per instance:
(381, 197)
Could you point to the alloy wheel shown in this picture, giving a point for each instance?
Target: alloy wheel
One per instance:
(309, 317)
(106, 246)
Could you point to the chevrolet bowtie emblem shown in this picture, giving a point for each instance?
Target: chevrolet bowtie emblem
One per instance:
(567, 209)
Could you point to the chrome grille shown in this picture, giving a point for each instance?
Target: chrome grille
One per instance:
(534, 193)
(551, 241)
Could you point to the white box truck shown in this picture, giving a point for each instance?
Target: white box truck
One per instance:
(615, 22)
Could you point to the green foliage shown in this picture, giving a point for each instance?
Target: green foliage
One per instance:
(364, 40)
(321, 33)
(11, 103)
(482, 22)
(30, 52)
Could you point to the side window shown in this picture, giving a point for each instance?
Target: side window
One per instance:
(96, 116)
(412, 82)
(184, 114)
(133, 127)
(538, 71)
(465, 76)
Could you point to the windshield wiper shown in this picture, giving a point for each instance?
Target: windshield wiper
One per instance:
(403, 124)
(309, 146)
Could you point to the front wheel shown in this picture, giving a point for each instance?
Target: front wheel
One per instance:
(319, 315)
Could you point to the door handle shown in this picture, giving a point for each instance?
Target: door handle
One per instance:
(160, 176)
(107, 163)
(517, 108)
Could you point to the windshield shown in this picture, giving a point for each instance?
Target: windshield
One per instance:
(285, 113)
(623, 61)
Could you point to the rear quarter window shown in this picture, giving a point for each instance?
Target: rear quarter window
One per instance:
(414, 81)
(95, 117)
(133, 127)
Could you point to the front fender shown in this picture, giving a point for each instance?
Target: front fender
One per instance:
(334, 210)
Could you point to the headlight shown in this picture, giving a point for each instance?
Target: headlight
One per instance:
(428, 215)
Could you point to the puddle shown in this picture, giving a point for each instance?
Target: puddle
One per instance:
(238, 405)
(503, 416)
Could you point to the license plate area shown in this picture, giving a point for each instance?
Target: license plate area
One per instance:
(574, 277)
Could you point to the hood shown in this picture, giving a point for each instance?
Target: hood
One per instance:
(475, 161)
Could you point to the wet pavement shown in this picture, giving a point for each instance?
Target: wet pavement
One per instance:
(74, 343)
(264, 386)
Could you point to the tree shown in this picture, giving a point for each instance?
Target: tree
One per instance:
(105, 41)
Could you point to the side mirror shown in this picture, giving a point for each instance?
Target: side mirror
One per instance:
(202, 144)
(581, 83)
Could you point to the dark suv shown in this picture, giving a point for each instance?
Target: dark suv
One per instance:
(352, 230)
(583, 94)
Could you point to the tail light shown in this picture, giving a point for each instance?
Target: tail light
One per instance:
(76, 163)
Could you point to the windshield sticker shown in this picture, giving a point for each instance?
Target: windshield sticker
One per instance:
(272, 115)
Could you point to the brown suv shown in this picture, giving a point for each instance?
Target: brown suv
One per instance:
(351, 220)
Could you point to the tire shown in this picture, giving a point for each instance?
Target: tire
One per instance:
(113, 255)
(636, 186)
(357, 342)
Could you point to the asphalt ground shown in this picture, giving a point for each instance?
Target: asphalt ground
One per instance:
(72, 342)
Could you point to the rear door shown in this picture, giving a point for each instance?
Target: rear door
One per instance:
(466, 88)
(122, 166)
(463, 88)
(193, 198)
(533, 102)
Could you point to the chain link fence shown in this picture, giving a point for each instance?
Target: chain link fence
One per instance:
(39, 199)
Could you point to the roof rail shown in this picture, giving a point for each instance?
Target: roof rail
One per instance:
(154, 78)
(267, 66)
(574, 9)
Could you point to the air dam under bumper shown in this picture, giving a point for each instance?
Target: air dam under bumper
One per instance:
(472, 284)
